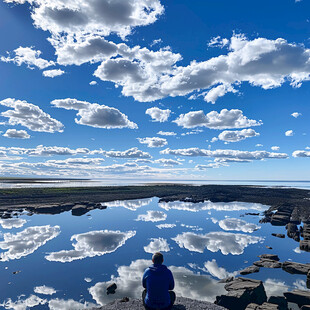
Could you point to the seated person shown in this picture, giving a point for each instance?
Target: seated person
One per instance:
(158, 283)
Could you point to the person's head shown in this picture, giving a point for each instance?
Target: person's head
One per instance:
(157, 258)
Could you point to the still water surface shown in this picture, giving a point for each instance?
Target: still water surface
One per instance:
(65, 262)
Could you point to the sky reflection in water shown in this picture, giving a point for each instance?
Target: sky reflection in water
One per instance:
(66, 262)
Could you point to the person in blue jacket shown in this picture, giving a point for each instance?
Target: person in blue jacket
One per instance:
(158, 283)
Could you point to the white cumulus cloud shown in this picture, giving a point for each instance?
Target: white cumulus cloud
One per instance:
(238, 225)
(224, 120)
(95, 115)
(296, 114)
(12, 223)
(53, 73)
(45, 290)
(153, 141)
(158, 115)
(17, 134)
(289, 133)
(236, 135)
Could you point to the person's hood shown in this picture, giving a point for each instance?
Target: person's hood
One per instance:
(157, 268)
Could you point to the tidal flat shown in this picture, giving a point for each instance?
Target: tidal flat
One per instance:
(61, 247)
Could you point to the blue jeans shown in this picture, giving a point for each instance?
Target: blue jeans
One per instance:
(172, 300)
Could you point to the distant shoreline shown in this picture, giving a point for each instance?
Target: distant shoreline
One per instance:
(274, 197)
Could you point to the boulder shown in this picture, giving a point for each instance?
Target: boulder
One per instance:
(278, 300)
(269, 256)
(308, 279)
(296, 268)
(268, 263)
(278, 235)
(264, 306)
(242, 292)
(293, 232)
(298, 297)
(79, 210)
(305, 307)
(111, 288)
(248, 270)
(304, 245)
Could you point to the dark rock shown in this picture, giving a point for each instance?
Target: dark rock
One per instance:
(111, 288)
(268, 263)
(264, 306)
(268, 247)
(278, 235)
(124, 299)
(280, 301)
(293, 232)
(79, 210)
(248, 270)
(250, 213)
(242, 292)
(305, 307)
(295, 268)
(308, 279)
(16, 272)
(269, 256)
(281, 217)
(304, 245)
(298, 297)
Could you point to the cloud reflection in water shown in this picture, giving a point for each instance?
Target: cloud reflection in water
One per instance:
(92, 243)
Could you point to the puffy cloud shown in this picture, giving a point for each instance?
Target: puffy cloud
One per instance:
(237, 224)
(53, 73)
(300, 285)
(23, 304)
(225, 154)
(187, 284)
(96, 17)
(92, 83)
(152, 216)
(227, 243)
(95, 115)
(12, 223)
(289, 133)
(218, 42)
(153, 141)
(225, 119)
(129, 204)
(275, 148)
(261, 62)
(130, 153)
(192, 227)
(28, 56)
(300, 153)
(218, 91)
(45, 290)
(157, 245)
(296, 114)
(208, 205)
(158, 115)
(166, 133)
(216, 271)
(161, 226)
(167, 162)
(92, 243)
(193, 132)
(17, 134)
(30, 116)
(236, 135)
(27, 241)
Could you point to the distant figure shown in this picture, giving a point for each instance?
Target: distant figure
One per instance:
(158, 283)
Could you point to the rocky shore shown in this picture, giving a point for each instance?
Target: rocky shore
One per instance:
(180, 304)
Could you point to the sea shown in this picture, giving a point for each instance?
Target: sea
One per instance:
(66, 262)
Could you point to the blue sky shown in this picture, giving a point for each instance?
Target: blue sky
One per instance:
(155, 90)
